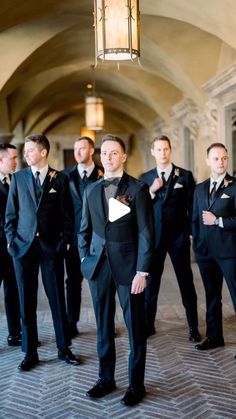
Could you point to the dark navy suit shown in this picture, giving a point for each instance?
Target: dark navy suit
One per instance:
(172, 220)
(215, 248)
(37, 233)
(72, 259)
(7, 274)
(113, 252)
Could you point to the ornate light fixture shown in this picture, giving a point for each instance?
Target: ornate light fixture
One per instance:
(85, 132)
(117, 24)
(94, 110)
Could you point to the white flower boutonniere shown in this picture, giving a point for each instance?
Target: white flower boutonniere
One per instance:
(52, 174)
(226, 183)
(176, 172)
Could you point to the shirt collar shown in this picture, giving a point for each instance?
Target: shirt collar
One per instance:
(167, 171)
(42, 172)
(82, 168)
(218, 181)
(2, 176)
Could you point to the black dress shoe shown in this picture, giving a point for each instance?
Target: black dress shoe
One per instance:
(14, 340)
(28, 363)
(210, 343)
(150, 332)
(194, 335)
(101, 388)
(68, 356)
(133, 396)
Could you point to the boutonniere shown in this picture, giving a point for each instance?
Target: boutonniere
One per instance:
(52, 174)
(226, 183)
(125, 199)
(176, 172)
(100, 173)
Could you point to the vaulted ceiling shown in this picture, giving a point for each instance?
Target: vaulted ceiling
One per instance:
(47, 50)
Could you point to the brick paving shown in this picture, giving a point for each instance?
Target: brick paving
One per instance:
(180, 381)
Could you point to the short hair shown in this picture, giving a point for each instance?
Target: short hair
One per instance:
(39, 139)
(216, 145)
(88, 139)
(161, 138)
(4, 147)
(110, 137)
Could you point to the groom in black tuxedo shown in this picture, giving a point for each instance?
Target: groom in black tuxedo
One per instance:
(171, 188)
(39, 226)
(214, 240)
(115, 255)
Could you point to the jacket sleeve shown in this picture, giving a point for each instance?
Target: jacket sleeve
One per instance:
(12, 210)
(85, 233)
(67, 211)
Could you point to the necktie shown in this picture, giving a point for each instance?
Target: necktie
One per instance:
(112, 181)
(212, 193)
(85, 178)
(162, 189)
(5, 183)
(38, 186)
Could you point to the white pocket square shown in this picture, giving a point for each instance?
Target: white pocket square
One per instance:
(178, 185)
(224, 196)
(52, 190)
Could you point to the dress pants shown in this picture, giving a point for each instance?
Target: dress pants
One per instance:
(27, 269)
(11, 296)
(212, 272)
(103, 289)
(179, 253)
(73, 285)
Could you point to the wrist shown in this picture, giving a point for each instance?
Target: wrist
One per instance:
(216, 222)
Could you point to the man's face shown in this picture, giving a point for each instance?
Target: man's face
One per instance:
(217, 160)
(8, 161)
(161, 151)
(112, 157)
(34, 154)
(83, 152)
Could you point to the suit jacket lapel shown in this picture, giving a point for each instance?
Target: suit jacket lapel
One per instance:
(3, 189)
(74, 182)
(122, 185)
(30, 184)
(170, 183)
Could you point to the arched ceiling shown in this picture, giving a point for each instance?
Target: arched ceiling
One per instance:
(47, 50)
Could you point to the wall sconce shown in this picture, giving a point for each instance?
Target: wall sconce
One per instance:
(117, 29)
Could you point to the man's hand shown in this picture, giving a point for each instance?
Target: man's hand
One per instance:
(138, 284)
(208, 218)
(157, 184)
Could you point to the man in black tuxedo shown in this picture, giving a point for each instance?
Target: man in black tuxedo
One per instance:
(8, 163)
(38, 227)
(80, 175)
(115, 254)
(214, 238)
(171, 189)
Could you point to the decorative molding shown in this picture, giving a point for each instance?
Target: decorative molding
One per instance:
(221, 84)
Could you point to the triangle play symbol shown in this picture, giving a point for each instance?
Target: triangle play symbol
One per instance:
(116, 209)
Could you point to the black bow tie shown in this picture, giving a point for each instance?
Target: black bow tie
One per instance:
(112, 181)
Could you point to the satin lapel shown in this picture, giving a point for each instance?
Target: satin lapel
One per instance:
(219, 191)
(30, 184)
(100, 201)
(122, 185)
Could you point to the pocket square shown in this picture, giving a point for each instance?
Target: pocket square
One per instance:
(52, 190)
(224, 196)
(178, 185)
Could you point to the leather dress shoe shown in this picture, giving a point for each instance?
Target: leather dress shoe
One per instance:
(101, 388)
(133, 396)
(14, 340)
(194, 335)
(210, 343)
(68, 356)
(28, 363)
(150, 332)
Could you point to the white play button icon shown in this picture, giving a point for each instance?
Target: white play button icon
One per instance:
(117, 209)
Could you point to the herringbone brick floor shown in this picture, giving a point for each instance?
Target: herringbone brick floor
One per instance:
(180, 381)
